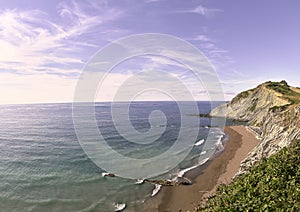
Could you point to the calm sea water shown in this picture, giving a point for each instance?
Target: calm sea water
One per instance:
(43, 167)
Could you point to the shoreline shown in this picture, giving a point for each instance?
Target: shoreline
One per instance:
(221, 169)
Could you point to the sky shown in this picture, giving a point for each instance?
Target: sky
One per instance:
(45, 45)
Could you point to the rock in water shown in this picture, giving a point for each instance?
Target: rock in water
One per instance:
(105, 174)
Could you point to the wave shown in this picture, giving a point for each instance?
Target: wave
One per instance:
(203, 153)
(139, 181)
(182, 172)
(52, 200)
(79, 158)
(220, 143)
(200, 142)
(219, 148)
(89, 179)
(156, 190)
(119, 206)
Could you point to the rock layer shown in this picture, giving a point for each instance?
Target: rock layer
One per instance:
(273, 114)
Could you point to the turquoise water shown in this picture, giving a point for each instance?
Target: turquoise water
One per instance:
(43, 167)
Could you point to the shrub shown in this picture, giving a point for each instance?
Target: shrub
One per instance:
(274, 184)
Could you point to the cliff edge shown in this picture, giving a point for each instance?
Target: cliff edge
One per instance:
(272, 111)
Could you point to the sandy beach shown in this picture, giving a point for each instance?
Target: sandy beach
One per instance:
(217, 171)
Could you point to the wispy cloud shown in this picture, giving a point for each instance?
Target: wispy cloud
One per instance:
(30, 39)
(203, 38)
(42, 53)
(83, 17)
(151, 1)
(215, 53)
(202, 10)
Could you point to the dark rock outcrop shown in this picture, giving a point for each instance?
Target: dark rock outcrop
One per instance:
(179, 181)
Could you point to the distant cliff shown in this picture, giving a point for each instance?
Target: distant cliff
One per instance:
(272, 111)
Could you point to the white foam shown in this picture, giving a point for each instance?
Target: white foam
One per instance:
(119, 206)
(220, 147)
(156, 189)
(139, 181)
(200, 142)
(105, 174)
(219, 143)
(203, 161)
(203, 153)
(182, 172)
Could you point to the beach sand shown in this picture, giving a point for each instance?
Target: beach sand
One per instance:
(217, 171)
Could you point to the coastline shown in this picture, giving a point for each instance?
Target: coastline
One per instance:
(221, 169)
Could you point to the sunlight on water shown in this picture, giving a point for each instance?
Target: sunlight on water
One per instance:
(43, 167)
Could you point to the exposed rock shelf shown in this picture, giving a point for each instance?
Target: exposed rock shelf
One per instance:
(179, 181)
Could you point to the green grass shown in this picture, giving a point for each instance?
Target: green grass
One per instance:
(272, 185)
(280, 87)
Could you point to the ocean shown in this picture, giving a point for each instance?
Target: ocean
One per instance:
(44, 168)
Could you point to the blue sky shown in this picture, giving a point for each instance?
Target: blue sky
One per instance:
(45, 44)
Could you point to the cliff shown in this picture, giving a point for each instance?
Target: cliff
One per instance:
(272, 111)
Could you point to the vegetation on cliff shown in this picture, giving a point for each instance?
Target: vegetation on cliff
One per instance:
(289, 93)
(271, 185)
(241, 95)
(255, 105)
(272, 111)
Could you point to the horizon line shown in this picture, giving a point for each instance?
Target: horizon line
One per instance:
(40, 103)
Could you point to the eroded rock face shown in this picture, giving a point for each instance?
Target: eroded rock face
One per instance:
(252, 105)
(274, 119)
(278, 130)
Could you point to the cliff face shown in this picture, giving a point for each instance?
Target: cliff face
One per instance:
(252, 105)
(273, 113)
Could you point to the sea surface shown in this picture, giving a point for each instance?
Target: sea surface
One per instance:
(44, 168)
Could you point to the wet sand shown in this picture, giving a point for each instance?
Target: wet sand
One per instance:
(220, 170)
